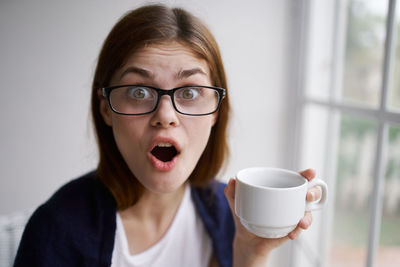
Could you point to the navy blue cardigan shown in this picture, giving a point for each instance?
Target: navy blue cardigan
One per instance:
(76, 226)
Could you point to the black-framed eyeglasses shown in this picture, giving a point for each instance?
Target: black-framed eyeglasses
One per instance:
(140, 99)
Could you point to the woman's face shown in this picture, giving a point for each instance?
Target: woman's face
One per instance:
(143, 139)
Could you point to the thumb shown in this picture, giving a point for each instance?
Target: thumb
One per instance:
(230, 192)
(230, 196)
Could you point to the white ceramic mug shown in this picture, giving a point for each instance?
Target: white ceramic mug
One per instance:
(270, 202)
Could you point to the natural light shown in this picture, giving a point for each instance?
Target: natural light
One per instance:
(350, 99)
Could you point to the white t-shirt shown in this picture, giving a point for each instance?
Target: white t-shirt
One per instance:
(186, 242)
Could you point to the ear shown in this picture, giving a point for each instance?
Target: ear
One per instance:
(105, 110)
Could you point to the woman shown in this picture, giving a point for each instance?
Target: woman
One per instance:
(160, 106)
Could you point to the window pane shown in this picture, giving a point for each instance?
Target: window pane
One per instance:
(389, 245)
(362, 75)
(313, 151)
(320, 42)
(314, 132)
(394, 96)
(356, 151)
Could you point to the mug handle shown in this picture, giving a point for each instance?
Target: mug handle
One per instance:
(318, 204)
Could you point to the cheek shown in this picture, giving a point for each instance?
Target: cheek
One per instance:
(127, 133)
(199, 132)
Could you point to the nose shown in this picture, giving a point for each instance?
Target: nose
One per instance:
(165, 115)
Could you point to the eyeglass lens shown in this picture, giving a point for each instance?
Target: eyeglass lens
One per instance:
(141, 99)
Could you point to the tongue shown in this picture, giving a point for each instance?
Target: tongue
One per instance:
(164, 154)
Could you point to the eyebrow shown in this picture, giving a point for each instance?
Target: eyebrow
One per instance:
(147, 74)
(142, 72)
(189, 72)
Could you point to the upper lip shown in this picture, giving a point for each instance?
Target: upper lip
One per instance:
(161, 139)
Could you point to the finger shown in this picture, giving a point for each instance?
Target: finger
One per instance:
(309, 174)
(306, 221)
(230, 192)
(295, 233)
(313, 194)
(230, 196)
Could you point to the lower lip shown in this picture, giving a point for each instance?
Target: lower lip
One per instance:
(161, 165)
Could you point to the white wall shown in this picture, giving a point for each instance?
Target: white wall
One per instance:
(47, 58)
(48, 53)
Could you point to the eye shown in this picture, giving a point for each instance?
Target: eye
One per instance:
(189, 93)
(139, 92)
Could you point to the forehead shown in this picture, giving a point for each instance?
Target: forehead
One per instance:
(167, 55)
(158, 63)
(166, 48)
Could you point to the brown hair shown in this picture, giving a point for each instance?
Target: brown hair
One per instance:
(143, 26)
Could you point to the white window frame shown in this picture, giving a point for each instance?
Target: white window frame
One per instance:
(382, 115)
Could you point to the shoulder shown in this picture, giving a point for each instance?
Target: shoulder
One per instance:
(77, 203)
(86, 191)
(211, 196)
(78, 217)
(214, 210)
(213, 206)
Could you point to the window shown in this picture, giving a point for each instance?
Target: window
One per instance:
(348, 127)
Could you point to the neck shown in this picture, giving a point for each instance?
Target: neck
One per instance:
(147, 221)
(155, 206)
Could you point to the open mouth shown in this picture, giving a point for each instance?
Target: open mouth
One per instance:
(164, 152)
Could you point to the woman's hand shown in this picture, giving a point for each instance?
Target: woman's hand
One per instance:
(251, 250)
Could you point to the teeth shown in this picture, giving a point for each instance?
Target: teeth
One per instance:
(164, 144)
